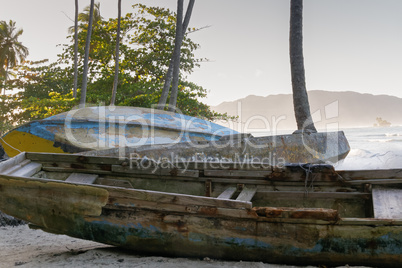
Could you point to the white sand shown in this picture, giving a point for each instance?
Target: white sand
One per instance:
(23, 247)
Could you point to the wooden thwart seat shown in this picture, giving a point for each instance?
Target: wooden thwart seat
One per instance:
(228, 193)
(27, 170)
(245, 195)
(387, 202)
(82, 178)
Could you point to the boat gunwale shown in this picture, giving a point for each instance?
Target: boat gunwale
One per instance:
(244, 205)
(221, 211)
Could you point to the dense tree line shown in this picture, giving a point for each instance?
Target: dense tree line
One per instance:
(147, 38)
(123, 61)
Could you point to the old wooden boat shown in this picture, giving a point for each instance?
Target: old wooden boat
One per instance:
(105, 127)
(291, 214)
(121, 131)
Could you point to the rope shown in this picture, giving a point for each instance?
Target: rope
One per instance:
(308, 172)
(10, 145)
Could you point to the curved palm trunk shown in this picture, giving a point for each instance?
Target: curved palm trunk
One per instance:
(86, 58)
(300, 97)
(116, 68)
(175, 60)
(75, 50)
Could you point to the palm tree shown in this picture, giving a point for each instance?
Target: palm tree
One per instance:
(12, 51)
(300, 97)
(116, 69)
(83, 17)
(75, 50)
(174, 66)
(86, 57)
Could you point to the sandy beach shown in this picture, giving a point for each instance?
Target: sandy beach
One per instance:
(23, 247)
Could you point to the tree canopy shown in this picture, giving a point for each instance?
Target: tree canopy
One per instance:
(146, 46)
(12, 51)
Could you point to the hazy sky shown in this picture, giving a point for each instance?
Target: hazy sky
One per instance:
(348, 44)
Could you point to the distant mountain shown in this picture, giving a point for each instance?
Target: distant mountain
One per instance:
(329, 109)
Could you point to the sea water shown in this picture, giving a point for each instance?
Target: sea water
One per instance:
(370, 147)
(373, 148)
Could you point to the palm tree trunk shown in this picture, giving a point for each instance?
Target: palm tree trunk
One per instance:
(5, 79)
(75, 51)
(300, 97)
(176, 56)
(166, 85)
(86, 58)
(116, 68)
(170, 73)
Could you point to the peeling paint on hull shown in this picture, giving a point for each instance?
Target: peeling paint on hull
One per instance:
(371, 249)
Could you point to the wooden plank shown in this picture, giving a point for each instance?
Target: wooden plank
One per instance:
(370, 222)
(247, 194)
(72, 158)
(17, 167)
(180, 173)
(375, 181)
(387, 202)
(27, 170)
(129, 195)
(156, 171)
(72, 170)
(82, 178)
(207, 211)
(238, 173)
(228, 193)
(114, 182)
(371, 174)
(82, 167)
(313, 195)
(12, 162)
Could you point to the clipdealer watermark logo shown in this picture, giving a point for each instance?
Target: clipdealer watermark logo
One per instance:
(122, 130)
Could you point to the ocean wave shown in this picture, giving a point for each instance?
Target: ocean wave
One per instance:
(384, 140)
(358, 153)
(364, 159)
(392, 134)
(380, 140)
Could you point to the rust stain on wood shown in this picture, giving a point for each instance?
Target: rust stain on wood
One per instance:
(298, 213)
(210, 211)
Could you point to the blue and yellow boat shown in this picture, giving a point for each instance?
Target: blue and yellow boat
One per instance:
(106, 127)
(121, 131)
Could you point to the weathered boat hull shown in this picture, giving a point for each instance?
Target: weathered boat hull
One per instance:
(105, 127)
(275, 150)
(178, 221)
(121, 131)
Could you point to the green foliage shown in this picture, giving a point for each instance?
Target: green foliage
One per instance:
(11, 50)
(7, 117)
(146, 47)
